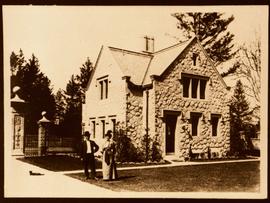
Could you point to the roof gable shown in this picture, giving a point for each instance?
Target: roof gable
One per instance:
(163, 58)
(132, 64)
(94, 69)
(140, 66)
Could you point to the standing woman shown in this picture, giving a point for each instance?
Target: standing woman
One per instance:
(108, 161)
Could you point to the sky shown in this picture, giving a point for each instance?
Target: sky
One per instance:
(62, 37)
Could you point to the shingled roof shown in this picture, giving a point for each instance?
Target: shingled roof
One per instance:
(140, 66)
(162, 59)
(133, 64)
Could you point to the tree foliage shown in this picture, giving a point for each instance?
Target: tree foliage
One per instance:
(74, 96)
(34, 88)
(211, 30)
(61, 105)
(248, 63)
(125, 149)
(85, 72)
(240, 116)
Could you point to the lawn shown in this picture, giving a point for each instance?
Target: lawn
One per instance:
(223, 177)
(57, 163)
(68, 163)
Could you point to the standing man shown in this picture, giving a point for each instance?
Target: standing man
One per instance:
(89, 147)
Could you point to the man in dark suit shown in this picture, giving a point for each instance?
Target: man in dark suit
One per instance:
(89, 147)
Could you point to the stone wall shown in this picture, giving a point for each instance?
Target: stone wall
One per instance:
(134, 116)
(169, 96)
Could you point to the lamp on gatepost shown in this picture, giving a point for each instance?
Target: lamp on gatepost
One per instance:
(18, 106)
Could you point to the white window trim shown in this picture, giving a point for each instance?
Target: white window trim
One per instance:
(103, 92)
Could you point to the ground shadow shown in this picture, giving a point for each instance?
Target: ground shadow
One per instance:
(118, 179)
(125, 177)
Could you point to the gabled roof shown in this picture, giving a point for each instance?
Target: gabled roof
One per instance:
(140, 66)
(133, 64)
(163, 58)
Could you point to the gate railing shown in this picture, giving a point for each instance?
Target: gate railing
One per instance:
(31, 145)
(54, 144)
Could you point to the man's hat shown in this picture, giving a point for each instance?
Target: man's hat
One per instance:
(87, 134)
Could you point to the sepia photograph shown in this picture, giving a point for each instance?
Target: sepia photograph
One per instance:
(135, 101)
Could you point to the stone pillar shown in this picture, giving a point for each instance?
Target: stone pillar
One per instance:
(17, 115)
(43, 125)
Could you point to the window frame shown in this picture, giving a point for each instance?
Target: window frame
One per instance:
(199, 117)
(103, 87)
(93, 123)
(194, 59)
(103, 125)
(188, 83)
(218, 117)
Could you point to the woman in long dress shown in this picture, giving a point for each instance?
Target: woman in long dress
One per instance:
(108, 161)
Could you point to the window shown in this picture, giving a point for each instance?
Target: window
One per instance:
(195, 118)
(214, 122)
(103, 128)
(101, 89)
(103, 86)
(186, 82)
(94, 128)
(113, 125)
(194, 86)
(202, 89)
(194, 58)
(106, 88)
(195, 82)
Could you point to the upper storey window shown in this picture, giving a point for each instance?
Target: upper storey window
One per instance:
(103, 87)
(194, 86)
(194, 59)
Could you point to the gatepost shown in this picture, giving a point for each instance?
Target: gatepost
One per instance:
(17, 114)
(43, 126)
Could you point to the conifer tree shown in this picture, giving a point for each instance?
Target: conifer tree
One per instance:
(211, 30)
(75, 95)
(34, 89)
(240, 116)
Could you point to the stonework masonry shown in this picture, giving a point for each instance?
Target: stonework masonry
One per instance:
(134, 116)
(169, 95)
(166, 98)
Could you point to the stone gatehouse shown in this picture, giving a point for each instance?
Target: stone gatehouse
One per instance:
(174, 95)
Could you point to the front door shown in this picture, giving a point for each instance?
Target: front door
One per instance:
(170, 133)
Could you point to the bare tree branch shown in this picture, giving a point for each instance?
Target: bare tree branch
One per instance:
(248, 63)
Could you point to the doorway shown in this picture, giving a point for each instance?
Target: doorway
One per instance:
(170, 133)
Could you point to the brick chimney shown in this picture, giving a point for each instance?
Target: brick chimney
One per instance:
(149, 44)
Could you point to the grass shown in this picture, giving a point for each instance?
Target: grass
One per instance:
(68, 163)
(56, 162)
(223, 177)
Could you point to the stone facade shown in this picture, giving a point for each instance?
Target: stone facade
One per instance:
(134, 116)
(169, 96)
(141, 104)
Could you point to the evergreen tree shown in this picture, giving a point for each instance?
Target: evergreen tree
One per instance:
(61, 105)
(17, 62)
(240, 116)
(34, 89)
(73, 117)
(210, 28)
(75, 94)
(85, 72)
(248, 67)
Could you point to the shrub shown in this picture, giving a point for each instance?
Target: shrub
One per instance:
(125, 150)
(156, 156)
